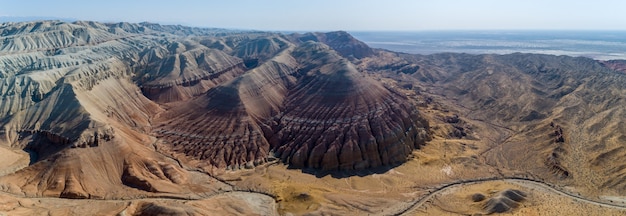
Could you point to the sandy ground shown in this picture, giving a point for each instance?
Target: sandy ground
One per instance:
(539, 201)
(12, 160)
(614, 199)
(231, 203)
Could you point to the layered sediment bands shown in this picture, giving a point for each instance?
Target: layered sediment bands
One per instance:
(362, 133)
(223, 127)
(91, 102)
(260, 48)
(309, 105)
(70, 100)
(217, 131)
(188, 89)
(336, 118)
(186, 73)
(504, 201)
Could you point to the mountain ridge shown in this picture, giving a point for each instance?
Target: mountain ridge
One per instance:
(137, 85)
(158, 114)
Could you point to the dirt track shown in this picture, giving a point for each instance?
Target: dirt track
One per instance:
(522, 181)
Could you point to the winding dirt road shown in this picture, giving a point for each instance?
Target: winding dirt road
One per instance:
(522, 181)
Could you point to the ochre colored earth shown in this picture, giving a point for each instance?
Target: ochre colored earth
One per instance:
(149, 119)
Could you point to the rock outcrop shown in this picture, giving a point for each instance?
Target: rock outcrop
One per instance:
(504, 201)
(553, 161)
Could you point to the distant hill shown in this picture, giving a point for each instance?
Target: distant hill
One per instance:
(33, 18)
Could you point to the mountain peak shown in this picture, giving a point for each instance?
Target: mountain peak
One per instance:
(340, 41)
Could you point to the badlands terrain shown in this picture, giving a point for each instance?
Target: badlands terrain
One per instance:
(149, 119)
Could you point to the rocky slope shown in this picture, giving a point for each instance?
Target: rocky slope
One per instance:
(308, 106)
(556, 117)
(90, 102)
(340, 41)
(127, 111)
(70, 101)
(358, 123)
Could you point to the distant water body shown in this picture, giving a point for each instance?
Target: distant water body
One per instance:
(601, 45)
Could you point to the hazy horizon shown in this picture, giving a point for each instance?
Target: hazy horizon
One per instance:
(600, 45)
(349, 15)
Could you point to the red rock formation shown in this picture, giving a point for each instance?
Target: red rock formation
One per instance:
(88, 99)
(224, 127)
(317, 112)
(618, 65)
(336, 118)
(558, 133)
(181, 76)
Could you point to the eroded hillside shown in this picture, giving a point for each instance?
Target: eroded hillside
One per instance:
(145, 118)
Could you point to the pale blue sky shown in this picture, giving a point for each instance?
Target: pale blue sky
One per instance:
(351, 15)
